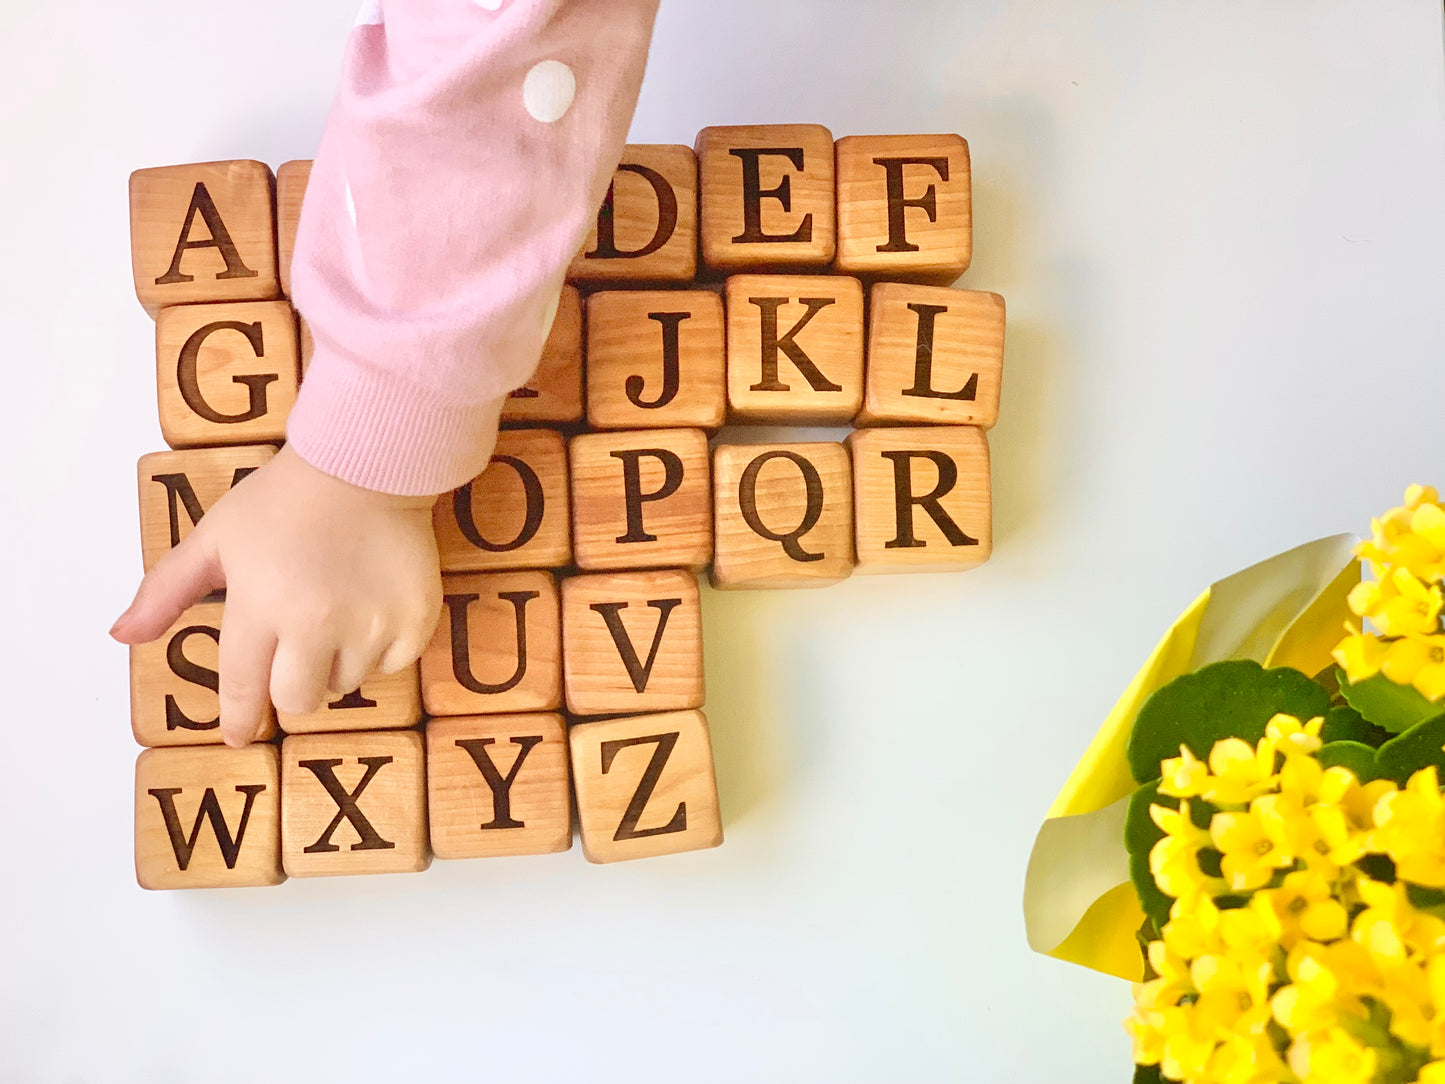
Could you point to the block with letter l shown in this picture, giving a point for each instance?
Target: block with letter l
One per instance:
(922, 500)
(645, 786)
(226, 373)
(553, 394)
(905, 207)
(177, 488)
(646, 228)
(353, 803)
(203, 232)
(208, 817)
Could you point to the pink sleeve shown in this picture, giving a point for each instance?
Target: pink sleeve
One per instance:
(461, 166)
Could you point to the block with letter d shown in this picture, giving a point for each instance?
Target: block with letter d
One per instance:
(646, 228)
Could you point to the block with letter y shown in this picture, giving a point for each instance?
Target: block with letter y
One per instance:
(645, 786)
(353, 803)
(207, 817)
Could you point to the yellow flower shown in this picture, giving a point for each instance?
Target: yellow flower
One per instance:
(1410, 537)
(1410, 608)
(1192, 930)
(1285, 819)
(1189, 1040)
(1183, 776)
(1434, 1073)
(1174, 860)
(1241, 772)
(1417, 661)
(1308, 1002)
(1412, 829)
(1306, 908)
(1251, 855)
(1233, 994)
(1292, 737)
(1390, 928)
(1245, 1059)
(1332, 1057)
(1428, 521)
(1361, 654)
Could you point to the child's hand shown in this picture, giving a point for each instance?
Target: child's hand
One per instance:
(325, 584)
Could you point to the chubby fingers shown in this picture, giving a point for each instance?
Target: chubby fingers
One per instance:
(180, 579)
(248, 647)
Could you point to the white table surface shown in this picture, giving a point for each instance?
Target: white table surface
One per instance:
(1219, 228)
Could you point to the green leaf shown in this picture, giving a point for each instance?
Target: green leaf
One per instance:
(1147, 1074)
(1404, 755)
(1140, 835)
(1231, 699)
(1396, 708)
(1356, 756)
(1344, 723)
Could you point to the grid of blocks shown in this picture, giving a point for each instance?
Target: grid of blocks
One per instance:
(767, 275)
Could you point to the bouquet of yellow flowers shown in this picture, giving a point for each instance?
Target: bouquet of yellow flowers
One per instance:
(1257, 834)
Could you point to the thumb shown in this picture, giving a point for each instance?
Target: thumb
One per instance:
(180, 579)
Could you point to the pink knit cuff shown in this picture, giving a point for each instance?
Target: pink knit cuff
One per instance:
(380, 431)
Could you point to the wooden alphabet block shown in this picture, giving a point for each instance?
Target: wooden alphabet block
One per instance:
(767, 196)
(173, 683)
(783, 515)
(516, 514)
(645, 786)
(497, 648)
(176, 489)
(795, 348)
(226, 373)
(208, 817)
(904, 207)
(291, 179)
(353, 803)
(655, 359)
(632, 642)
(203, 232)
(646, 229)
(641, 499)
(554, 394)
(935, 356)
(384, 702)
(498, 785)
(921, 498)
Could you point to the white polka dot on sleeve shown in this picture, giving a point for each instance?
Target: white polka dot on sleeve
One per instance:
(490, 5)
(369, 13)
(548, 90)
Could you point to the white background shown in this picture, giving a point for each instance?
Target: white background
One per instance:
(1219, 227)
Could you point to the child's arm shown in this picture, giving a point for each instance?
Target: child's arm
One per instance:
(461, 166)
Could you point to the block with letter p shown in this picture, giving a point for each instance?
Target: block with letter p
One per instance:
(203, 232)
(177, 488)
(226, 373)
(922, 500)
(646, 229)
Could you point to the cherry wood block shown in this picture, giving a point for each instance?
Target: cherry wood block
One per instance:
(516, 514)
(208, 817)
(935, 356)
(384, 702)
(645, 786)
(783, 515)
(641, 499)
(554, 393)
(795, 348)
(306, 342)
(904, 206)
(498, 785)
(174, 682)
(353, 803)
(176, 489)
(632, 642)
(921, 498)
(203, 232)
(655, 358)
(646, 229)
(226, 373)
(291, 180)
(498, 646)
(767, 196)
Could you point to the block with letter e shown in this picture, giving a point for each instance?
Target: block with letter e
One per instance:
(795, 348)
(353, 803)
(646, 228)
(498, 785)
(632, 642)
(922, 500)
(783, 515)
(553, 394)
(208, 817)
(498, 646)
(177, 488)
(767, 196)
(515, 514)
(905, 207)
(645, 786)
(935, 356)
(226, 373)
(641, 499)
(203, 232)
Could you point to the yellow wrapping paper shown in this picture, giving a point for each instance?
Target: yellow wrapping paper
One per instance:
(1079, 904)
